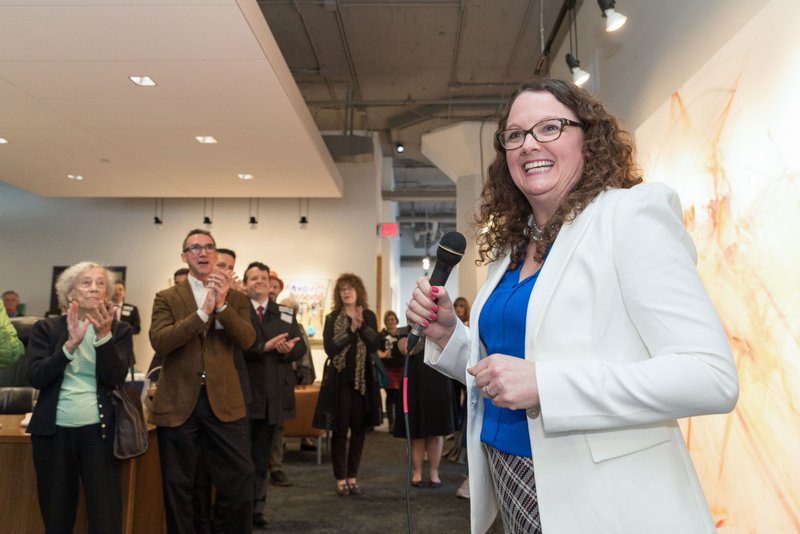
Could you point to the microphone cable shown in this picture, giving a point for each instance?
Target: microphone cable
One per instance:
(409, 469)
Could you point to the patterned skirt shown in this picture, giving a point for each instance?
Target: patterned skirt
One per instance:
(515, 487)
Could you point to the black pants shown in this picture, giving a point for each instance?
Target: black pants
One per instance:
(60, 460)
(349, 416)
(226, 447)
(261, 434)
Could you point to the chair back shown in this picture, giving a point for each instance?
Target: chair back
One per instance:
(16, 400)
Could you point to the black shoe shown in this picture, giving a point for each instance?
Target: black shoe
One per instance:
(279, 478)
(308, 447)
(259, 521)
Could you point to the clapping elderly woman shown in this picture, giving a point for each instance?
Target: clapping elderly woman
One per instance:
(75, 360)
(592, 334)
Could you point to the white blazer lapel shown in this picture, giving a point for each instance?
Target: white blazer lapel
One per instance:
(564, 246)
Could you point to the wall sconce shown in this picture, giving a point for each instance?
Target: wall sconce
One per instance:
(579, 76)
(303, 217)
(614, 20)
(253, 221)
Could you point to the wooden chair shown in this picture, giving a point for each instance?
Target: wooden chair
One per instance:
(300, 426)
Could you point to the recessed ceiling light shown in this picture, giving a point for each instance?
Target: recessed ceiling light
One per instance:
(76, 177)
(246, 176)
(206, 139)
(3, 141)
(143, 81)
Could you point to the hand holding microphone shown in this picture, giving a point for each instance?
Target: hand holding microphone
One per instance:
(430, 308)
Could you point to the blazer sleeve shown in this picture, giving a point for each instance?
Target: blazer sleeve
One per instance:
(235, 320)
(369, 331)
(115, 356)
(168, 330)
(46, 358)
(453, 359)
(334, 345)
(300, 348)
(136, 321)
(690, 370)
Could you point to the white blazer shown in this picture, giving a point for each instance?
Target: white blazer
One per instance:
(625, 340)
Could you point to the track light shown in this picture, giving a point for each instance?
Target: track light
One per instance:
(158, 213)
(614, 20)
(400, 148)
(303, 216)
(579, 76)
(207, 220)
(253, 223)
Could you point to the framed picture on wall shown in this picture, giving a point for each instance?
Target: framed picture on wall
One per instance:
(117, 273)
(313, 303)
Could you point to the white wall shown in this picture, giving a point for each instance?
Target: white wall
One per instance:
(38, 233)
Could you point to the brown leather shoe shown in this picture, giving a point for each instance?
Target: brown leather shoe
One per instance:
(342, 490)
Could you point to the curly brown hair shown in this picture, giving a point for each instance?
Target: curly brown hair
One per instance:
(355, 282)
(609, 157)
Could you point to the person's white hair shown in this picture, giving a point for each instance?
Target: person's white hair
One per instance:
(66, 280)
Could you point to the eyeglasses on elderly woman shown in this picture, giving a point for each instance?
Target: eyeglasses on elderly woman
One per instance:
(544, 132)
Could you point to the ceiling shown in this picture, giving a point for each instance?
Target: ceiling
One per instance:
(68, 107)
(399, 68)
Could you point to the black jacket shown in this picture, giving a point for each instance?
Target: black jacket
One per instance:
(47, 362)
(272, 379)
(327, 405)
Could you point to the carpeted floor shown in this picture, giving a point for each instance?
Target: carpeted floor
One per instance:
(311, 504)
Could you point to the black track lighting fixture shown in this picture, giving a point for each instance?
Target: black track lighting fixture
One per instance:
(614, 19)
(579, 76)
(399, 147)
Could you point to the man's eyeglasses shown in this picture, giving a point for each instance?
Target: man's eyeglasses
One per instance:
(195, 249)
(544, 132)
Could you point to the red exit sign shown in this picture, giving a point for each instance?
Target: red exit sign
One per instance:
(388, 230)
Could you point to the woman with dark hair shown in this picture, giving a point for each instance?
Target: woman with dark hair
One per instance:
(349, 397)
(592, 334)
(461, 309)
(76, 360)
(389, 352)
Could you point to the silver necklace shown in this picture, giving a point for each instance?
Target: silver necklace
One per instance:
(532, 230)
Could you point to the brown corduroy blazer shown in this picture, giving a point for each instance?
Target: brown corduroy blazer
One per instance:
(189, 346)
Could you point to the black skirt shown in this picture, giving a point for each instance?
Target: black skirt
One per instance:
(430, 402)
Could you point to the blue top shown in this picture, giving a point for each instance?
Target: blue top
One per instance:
(502, 330)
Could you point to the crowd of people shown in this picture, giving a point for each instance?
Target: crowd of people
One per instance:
(591, 335)
(227, 358)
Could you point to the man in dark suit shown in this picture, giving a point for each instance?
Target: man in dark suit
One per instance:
(199, 402)
(278, 342)
(125, 312)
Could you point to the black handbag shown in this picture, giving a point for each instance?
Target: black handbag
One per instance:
(130, 435)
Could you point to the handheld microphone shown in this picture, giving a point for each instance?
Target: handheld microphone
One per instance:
(449, 252)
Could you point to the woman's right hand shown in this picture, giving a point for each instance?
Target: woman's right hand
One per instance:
(437, 316)
(75, 327)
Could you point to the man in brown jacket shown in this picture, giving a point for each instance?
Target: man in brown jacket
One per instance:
(199, 402)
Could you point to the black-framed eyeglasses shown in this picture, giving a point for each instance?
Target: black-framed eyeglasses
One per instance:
(195, 249)
(544, 132)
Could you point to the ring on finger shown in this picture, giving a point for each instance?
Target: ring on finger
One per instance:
(488, 392)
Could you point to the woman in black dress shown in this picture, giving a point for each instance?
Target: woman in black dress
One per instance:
(349, 396)
(430, 415)
(393, 361)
